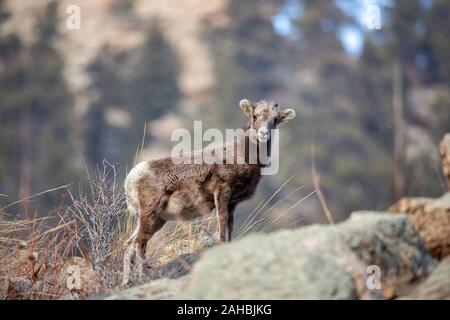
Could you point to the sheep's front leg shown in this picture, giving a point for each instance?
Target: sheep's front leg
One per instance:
(221, 198)
(230, 224)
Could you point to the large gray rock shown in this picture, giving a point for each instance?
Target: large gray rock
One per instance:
(296, 275)
(316, 262)
(436, 286)
(154, 290)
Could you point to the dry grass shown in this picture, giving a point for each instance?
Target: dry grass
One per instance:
(281, 214)
(178, 239)
(316, 180)
(77, 250)
(36, 255)
(30, 258)
(40, 258)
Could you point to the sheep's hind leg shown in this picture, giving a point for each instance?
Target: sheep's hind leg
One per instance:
(144, 235)
(130, 250)
(149, 222)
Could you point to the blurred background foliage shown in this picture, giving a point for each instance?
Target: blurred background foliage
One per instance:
(371, 103)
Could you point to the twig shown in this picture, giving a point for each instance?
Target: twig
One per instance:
(36, 195)
(316, 181)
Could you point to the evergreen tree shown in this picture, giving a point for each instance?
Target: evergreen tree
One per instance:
(349, 158)
(246, 53)
(35, 113)
(10, 74)
(152, 84)
(142, 82)
(105, 74)
(407, 40)
(438, 26)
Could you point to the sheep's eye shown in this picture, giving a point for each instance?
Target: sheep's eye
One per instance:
(254, 117)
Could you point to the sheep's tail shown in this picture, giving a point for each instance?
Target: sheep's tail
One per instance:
(131, 190)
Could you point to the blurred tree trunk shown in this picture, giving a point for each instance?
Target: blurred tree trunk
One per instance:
(399, 130)
(26, 154)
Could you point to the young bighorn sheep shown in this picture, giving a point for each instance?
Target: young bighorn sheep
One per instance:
(161, 190)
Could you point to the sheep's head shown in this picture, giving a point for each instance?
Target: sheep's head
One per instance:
(264, 116)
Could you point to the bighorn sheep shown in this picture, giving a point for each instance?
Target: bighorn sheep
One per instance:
(162, 190)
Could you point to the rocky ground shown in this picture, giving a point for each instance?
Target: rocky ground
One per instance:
(406, 249)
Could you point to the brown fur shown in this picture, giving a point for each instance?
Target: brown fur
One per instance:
(161, 190)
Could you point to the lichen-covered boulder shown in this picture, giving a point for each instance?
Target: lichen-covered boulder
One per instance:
(436, 286)
(235, 274)
(316, 262)
(154, 290)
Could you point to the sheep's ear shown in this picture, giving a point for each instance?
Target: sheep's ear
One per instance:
(247, 107)
(286, 115)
